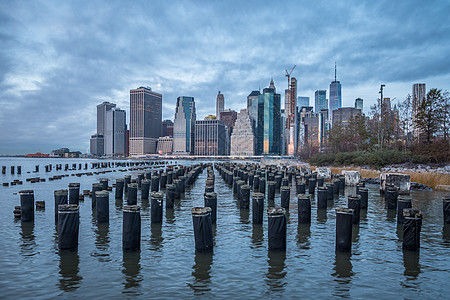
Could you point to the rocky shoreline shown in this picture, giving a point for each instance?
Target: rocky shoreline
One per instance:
(414, 185)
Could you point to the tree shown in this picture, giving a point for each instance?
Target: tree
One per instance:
(427, 116)
(405, 112)
(443, 111)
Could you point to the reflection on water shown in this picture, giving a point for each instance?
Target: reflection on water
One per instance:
(201, 270)
(102, 240)
(145, 205)
(27, 237)
(322, 216)
(303, 235)
(156, 238)
(275, 273)
(411, 264)
(355, 233)
(244, 216)
(132, 271)
(399, 232)
(170, 216)
(68, 269)
(446, 234)
(257, 235)
(119, 203)
(343, 272)
(391, 214)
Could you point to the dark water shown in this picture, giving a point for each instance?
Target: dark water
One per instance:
(241, 266)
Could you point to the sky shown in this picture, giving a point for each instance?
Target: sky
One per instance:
(59, 59)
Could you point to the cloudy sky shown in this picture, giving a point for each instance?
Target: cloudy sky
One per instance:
(59, 59)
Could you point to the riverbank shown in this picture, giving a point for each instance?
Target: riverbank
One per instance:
(428, 176)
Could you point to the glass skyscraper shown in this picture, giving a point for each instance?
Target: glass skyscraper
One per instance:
(302, 101)
(269, 122)
(335, 94)
(183, 126)
(320, 100)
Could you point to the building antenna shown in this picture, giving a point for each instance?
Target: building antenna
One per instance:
(334, 71)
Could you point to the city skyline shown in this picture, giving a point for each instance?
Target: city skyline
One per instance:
(54, 71)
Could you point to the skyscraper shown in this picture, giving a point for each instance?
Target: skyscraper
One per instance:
(419, 92)
(115, 132)
(359, 103)
(252, 106)
(220, 103)
(320, 100)
(97, 143)
(302, 101)
(243, 138)
(335, 93)
(269, 122)
(210, 139)
(184, 125)
(167, 128)
(145, 120)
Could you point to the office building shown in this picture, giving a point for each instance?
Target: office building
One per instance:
(252, 106)
(167, 128)
(145, 120)
(335, 93)
(359, 103)
(320, 100)
(302, 101)
(115, 132)
(243, 137)
(220, 104)
(97, 145)
(344, 114)
(184, 126)
(210, 137)
(165, 145)
(268, 133)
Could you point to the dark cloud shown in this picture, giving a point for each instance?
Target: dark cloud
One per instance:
(59, 60)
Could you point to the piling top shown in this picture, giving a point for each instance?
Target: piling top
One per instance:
(163, 174)
(406, 198)
(132, 185)
(304, 197)
(145, 181)
(156, 177)
(60, 193)
(131, 208)
(156, 195)
(272, 211)
(329, 185)
(127, 176)
(98, 185)
(103, 179)
(271, 182)
(68, 207)
(240, 182)
(363, 189)
(211, 195)
(245, 187)
(322, 188)
(26, 192)
(285, 188)
(120, 180)
(258, 196)
(102, 193)
(201, 210)
(446, 198)
(343, 210)
(412, 213)
(354, 197)
(170, 186)
(74, 184)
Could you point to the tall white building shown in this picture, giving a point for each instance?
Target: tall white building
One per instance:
(183, 126)
(115, 132)
(243, 137)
